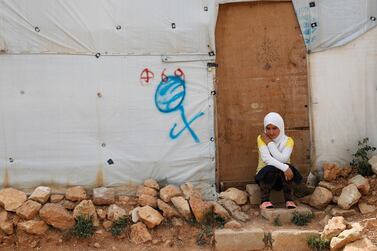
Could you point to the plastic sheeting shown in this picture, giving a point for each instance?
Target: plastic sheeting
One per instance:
(344, 98)
(325, 24)
(68, 120)
(109, 27)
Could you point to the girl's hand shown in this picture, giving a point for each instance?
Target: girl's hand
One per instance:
(288, 174)
(266, 139)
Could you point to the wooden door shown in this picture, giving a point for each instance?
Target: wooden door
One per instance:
(262, 68)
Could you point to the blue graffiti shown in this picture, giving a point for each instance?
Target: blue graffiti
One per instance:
(306, 20)
(169, 97)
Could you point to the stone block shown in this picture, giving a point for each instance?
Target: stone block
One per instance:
(292, 239)
(283, 214)
(239, 240)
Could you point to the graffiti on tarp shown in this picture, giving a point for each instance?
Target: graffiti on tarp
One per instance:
(308, 24)
(169, 97)
(146, 77)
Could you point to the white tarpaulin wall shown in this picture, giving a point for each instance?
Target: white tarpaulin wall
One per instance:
(106, 92)
(330, 23)
(344, 98)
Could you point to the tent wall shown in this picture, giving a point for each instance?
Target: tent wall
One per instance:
(344, 98)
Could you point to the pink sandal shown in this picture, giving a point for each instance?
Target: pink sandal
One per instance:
(290, 204)
(266, 204)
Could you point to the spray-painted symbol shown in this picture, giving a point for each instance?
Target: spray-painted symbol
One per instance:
(169, 97)
(146, 77)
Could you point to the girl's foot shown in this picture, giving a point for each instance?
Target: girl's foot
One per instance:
(290, 204)
(266, 204)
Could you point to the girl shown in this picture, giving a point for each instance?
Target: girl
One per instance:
(274, 170)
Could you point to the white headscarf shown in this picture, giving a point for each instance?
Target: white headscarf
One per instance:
(276, 120)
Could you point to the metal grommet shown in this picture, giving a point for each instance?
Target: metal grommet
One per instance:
(213, 93)
(36, 28)
(103, 144)
(205, 8)
(211, 53)
(11, 160)
(98, 55)
(118, 27)
(313, 25)
(22, 92)
(173, 25)
(312, 4)
(99, 94)
(373, 18)
(110, 161)
(212, 139)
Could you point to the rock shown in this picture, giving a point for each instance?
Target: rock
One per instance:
(177, 222)
(330, 171)
(107, 224)
(146, 190)
(229, 205)
(361, 183)
(11, 198)
(54, 198)
(334, 188)
(103, 196)
(345, 237)
(241, 216)
(233, 224)
(168, 211)
(245, 208)
(325, 220)
(147, 200)
(139, 233)
(335, 199)
(41, 194)
(37, 227)
(135, 214)
(67, 204)
(361, 245)
(320, 198)
(291, 239)
(334, 227)
(101, 213)
(369, 224)
(182, 206)
(168, 192)
(150, 216)
(342, 212)
(28, 210)
(200, 208)
(345, 171)
(152, 183)
(76, 193)
(87, 210)
(220, 210)
(6, 227)
(115, 212)
(3, 216)
(373, 162)
(96, 245)
(234, 194)
(187, 189)
(57, 216)
(365, 208)
(350, 195)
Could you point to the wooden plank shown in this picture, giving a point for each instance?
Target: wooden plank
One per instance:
(262, 68)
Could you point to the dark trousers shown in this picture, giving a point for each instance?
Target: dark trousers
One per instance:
(273, 178)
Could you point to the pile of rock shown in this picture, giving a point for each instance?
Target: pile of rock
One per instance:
(340, 191)
(151, 206)
(350, 236)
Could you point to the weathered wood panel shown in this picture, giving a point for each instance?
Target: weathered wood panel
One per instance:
(262, 68)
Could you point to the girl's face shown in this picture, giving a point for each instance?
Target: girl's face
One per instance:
(272, 131)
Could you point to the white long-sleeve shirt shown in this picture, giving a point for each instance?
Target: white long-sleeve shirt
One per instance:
(271, 155)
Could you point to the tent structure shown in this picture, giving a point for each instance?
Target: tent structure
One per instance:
(113, 92)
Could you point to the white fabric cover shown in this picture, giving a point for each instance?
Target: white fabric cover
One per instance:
(327, 24)
(344, 98)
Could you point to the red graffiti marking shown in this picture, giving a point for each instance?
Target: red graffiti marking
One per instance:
(179, 73)
(164, 78)
(146, 76)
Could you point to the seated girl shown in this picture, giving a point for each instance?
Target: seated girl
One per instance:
(274, 170)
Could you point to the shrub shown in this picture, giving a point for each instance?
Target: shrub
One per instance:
(302, 219)
(84, 227)
(277, 221)
(318, 244)
(361, 157)
(205, 235)
(119, 225)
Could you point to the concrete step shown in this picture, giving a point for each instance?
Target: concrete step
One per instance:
(283, 215)
(259, 239)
